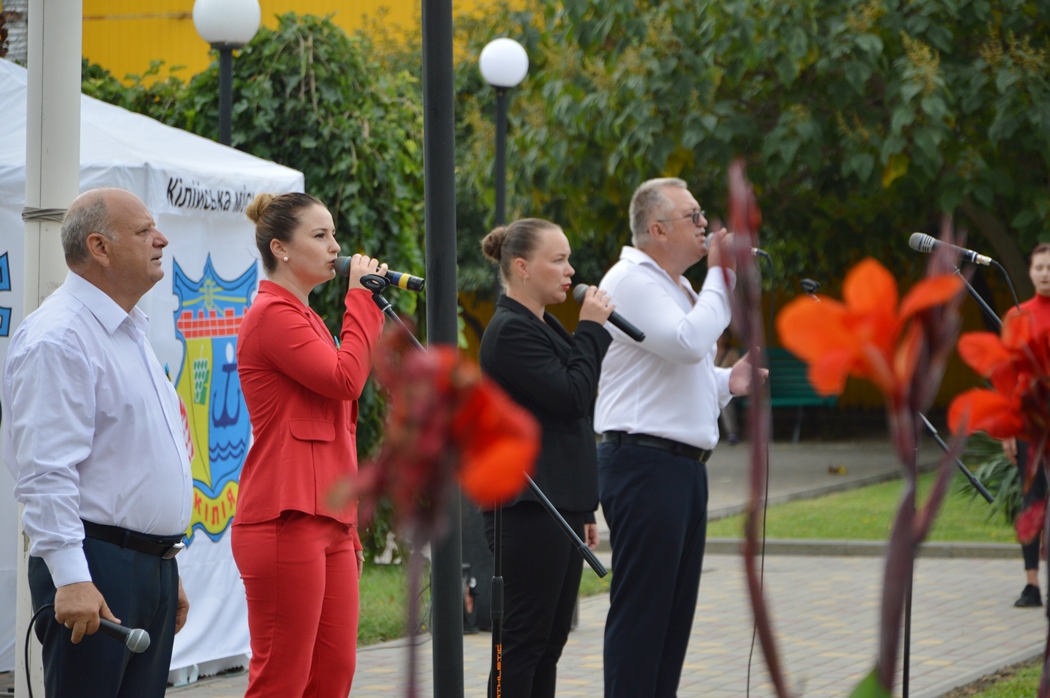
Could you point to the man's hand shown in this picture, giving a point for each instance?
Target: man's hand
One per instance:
(182, 610)
(590, 535)
(79, 606)
(1010, 449)
(740, 376)
(720, 250)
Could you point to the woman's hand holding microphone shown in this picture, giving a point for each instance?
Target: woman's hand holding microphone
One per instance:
(363, 265)
(596, 306)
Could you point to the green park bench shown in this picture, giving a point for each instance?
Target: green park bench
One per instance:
(789, 386)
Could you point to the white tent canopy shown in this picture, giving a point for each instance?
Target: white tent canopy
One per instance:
(197, 191)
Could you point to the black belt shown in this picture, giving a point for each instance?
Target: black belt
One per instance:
(166, 547)
(675, 447)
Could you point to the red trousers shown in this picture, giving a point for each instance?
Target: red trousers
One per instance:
(300, 576)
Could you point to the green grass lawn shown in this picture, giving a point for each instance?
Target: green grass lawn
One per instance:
(866, 513)
(383, 609)
(1020, 681)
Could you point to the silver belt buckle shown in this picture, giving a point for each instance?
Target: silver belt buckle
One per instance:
(174, 550)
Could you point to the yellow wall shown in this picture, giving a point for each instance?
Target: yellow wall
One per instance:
(123, 36)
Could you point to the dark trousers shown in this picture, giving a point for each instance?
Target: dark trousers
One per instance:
(656, 507)
(1036, 493)
(541, 580)
(143, 592)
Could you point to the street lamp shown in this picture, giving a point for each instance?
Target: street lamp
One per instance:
(226, 25)
(504, 64)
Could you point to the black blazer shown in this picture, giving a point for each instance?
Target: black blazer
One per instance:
(554, 375)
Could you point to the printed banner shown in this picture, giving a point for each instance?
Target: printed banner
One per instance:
(206, 323)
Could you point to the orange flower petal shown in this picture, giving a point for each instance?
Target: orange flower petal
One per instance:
(809, 328)
(930, 292)
(983, 352)
(907, 355)
(870, 288)
(828, 374)
(499, 441)
(984, 410)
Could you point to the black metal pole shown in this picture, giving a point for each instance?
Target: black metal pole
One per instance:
(500, 217)
(439, 177)
(499, 172)
(501, 156)
(225, 90)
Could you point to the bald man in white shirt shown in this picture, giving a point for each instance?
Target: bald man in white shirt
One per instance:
(657, 414)
(94, 439)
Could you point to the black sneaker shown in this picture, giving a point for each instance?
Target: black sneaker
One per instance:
(1030, 597)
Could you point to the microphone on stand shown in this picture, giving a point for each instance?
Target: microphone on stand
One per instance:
(755, 252)
(921, 242)
(618, 321)
(396, 278)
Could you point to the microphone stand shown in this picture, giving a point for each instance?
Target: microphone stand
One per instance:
(988, 312)
(377, 284)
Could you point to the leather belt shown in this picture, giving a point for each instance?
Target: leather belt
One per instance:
(675, 447)
(165, 547)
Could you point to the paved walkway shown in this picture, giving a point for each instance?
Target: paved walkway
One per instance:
(824, 606)
(963, 627)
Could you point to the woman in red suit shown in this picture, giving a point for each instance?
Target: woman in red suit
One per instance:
(1039, 307)
(300, 559)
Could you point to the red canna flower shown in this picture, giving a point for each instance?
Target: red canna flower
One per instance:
(445, 422)
(862, 336)
(1018, 367)
(1030, 522)
(901, 349)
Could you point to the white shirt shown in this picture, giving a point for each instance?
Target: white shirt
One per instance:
(92, 427)
(668, 384)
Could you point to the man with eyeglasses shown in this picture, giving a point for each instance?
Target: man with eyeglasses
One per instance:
(657, 416)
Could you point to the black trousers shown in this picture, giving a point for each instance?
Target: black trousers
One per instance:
(1036, 493)
(142, 591)
(541, 580)
(656, 505)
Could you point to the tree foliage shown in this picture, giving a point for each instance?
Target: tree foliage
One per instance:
(308, 96)
(861, 120)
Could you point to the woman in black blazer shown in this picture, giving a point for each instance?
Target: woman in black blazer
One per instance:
(554, 375)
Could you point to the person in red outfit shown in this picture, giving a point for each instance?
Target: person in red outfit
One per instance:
(300, 559)
(1039, 307)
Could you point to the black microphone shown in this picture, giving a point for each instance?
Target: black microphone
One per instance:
(615, 318)
(921, 242)
(396, 278)
(755, 252)
(136, 639)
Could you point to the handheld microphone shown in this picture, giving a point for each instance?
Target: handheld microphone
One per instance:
(921, 242)
(396, 278)
(580, 290)
(136, 639)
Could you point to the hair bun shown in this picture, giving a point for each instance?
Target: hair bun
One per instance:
(492, 244)
(258, 207)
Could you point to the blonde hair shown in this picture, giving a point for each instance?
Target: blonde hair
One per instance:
(276, 217)
(509, 242)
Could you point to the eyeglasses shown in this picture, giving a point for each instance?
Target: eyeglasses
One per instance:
(695, 215)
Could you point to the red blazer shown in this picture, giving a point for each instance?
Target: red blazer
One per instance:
(302, 394)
